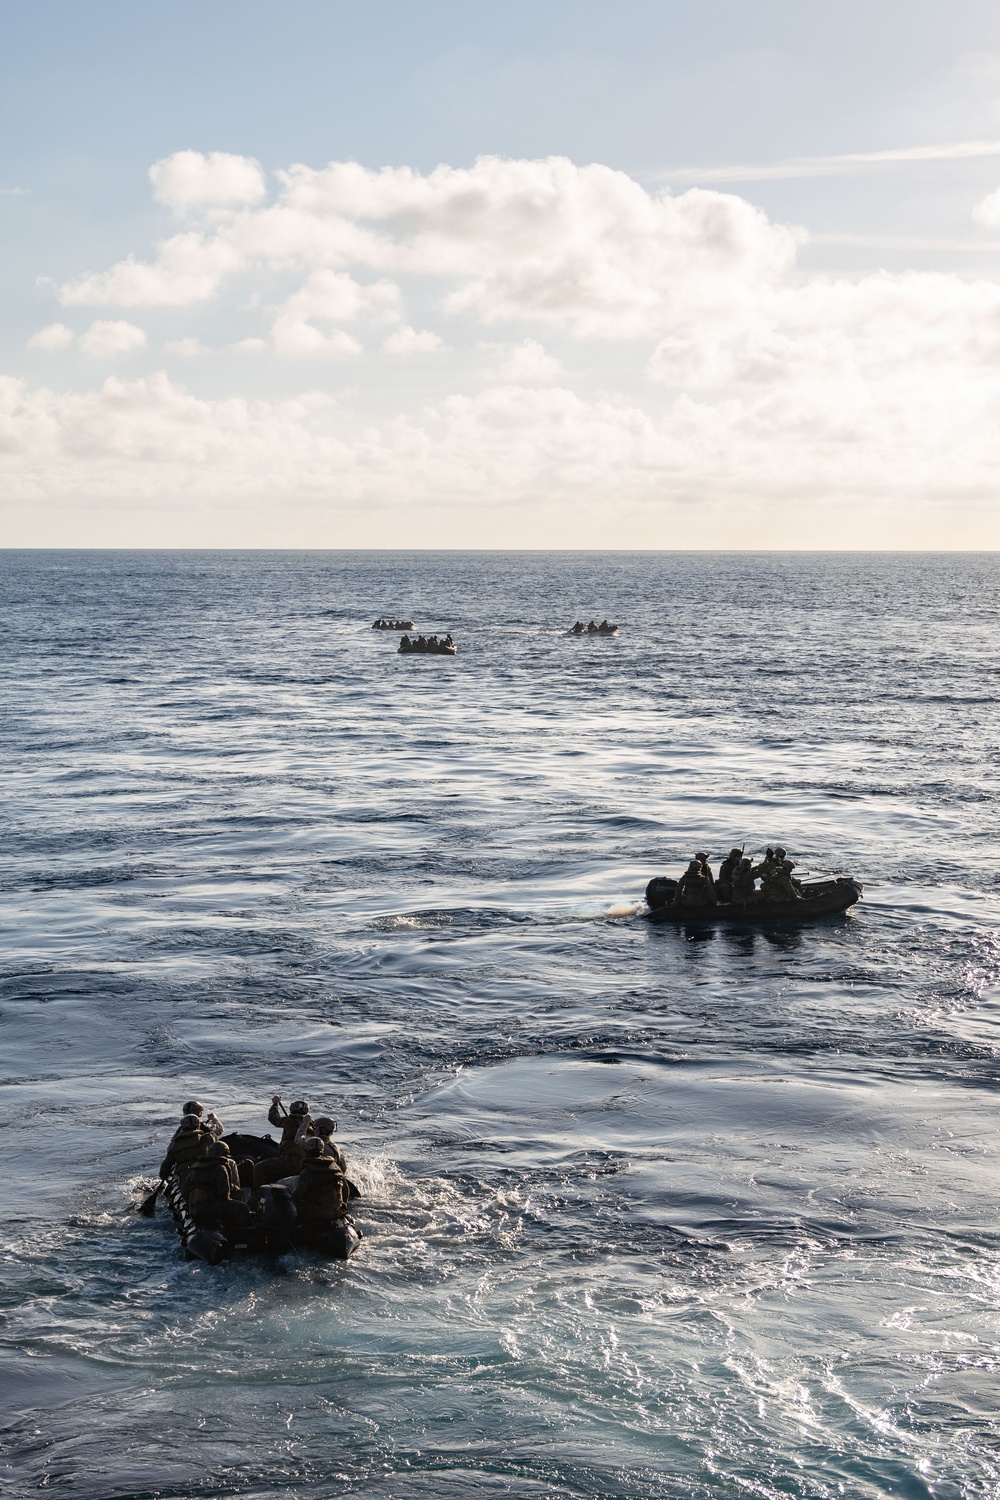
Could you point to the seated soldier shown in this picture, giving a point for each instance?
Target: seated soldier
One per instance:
(324, 1128)
(702, 859)
(189, 1143)
(694, 887)
(579, 628)
(781, 883)
(775, 877)
(728, 868)
(321, 1194)
(213, 1191)
(743, 883)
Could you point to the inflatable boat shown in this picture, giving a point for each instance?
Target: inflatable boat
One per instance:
(429, 646)
(271, 1227)
(393, 625)
(820, 898)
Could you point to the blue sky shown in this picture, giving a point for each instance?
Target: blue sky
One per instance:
(655, 389)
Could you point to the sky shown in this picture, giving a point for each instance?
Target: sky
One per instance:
(639, 275)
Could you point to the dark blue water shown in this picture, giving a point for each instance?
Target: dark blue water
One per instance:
(649, 1211)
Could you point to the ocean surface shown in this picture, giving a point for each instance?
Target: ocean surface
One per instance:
(649, 1211)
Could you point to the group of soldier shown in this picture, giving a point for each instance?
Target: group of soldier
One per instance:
(579, 628)
(443, 646)
(226, 1183)
(737, 880)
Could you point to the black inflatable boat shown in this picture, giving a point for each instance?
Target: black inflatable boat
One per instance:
(820, 898)
(270, 1228)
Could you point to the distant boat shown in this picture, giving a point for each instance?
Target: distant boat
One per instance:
(820, 898)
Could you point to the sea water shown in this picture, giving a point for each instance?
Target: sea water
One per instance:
(648, 1210)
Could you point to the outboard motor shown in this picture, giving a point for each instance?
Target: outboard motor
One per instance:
(660, 892)
(207, 1245)
(278, 1215)
(341, 1239)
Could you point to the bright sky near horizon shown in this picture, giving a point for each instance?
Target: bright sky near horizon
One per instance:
(570, 274)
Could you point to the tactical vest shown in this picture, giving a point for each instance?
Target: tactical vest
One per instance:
(321, 1191)
(207, 1184)
(190, 1146)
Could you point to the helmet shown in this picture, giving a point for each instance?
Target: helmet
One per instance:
(781, 853)
(736, 854)
(298, 1107)
(189, 1122)
(217, 1148)
(324, 1125)
(701, 854)
(192, 1107)
(313, 1146)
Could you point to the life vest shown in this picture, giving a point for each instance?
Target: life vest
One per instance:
(207, 1185)
(189, 1146)
(321, 1192)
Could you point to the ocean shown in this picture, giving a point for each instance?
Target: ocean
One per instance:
(648, 1210)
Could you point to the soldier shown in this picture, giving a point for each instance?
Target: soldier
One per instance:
(213, 1191)
(743, 883)
(321, 1194)
(783, 880)
(695, 887)
(728, 868)
(189, 1143)
(210, 1121)
(702, 859)
(776, 877)
(289, 1157)
(323, 1129)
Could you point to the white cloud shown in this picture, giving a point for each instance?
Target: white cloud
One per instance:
(527, 363)
(293, 340)
(54, 336)
(584, 248)
(330, 297)
(987, 210)
(105, 339)
(406, 341)
(787, 450)
(188, 348)
(215, 179)
(189, 268)
(747, 376)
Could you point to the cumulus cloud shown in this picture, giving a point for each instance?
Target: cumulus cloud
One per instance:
(745, 375)
(188, 348)
(406, 341)
(189, 268)
(151, 439)
(330, 297)
(527, 363)
(987, 210)
(54, 336)
(583, 248)
(107, 338)
(215, 179)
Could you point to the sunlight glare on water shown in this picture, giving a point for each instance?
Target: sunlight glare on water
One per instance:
(648, 1210)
